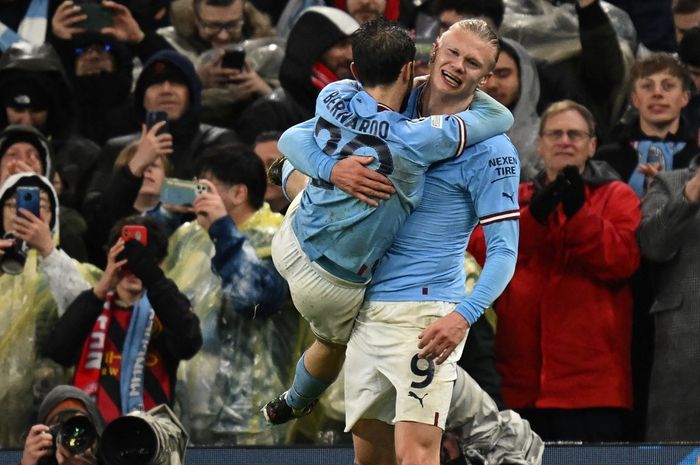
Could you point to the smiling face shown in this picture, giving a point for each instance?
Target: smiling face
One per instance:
(565, 139)
(461, 61)
(168, 96)
(220, 25)
(659, 97)
(20, 157)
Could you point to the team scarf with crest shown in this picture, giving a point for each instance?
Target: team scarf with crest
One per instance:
(133, 354)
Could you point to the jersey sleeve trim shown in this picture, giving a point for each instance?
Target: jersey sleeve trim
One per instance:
(462, 136)
(501, 216)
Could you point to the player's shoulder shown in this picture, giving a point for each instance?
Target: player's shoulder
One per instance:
(344, 88)
(500, 143)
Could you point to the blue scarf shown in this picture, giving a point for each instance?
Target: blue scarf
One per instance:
(134, 356)
(32, 29)
(658, 152)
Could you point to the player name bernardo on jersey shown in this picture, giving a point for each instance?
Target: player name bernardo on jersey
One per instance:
(336, 106)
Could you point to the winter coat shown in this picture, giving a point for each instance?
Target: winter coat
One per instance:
(317, 29)
(73, 155)
(565, 320)
(668, 236)
(190, 137)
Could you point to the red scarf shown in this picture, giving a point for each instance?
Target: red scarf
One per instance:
(321, 75)
(87, 373)
(98, 372)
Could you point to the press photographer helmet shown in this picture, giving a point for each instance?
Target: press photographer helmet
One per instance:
(12, 262)
(155, 437)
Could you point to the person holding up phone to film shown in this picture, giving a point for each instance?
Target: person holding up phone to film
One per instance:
(107, 17)
(227, 68)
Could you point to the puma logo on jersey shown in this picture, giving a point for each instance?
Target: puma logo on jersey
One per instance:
(508, 196)
(419, 399)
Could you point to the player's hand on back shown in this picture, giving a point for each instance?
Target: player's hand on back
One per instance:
(353, 177)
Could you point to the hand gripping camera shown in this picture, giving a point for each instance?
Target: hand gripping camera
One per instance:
(75, 433)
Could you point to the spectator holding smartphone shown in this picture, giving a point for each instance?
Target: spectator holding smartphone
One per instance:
(222, 263)
(46, 281)
(132, 189)
(167, 83)
(137, 314)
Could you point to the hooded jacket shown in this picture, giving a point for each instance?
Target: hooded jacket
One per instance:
(104, 102)
(524, 132)
(18, 133)
(316, 30)
(190, 137)
(74, 155)
(30, 304)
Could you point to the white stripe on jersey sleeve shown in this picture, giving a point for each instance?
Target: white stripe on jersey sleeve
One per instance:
(502, 216)
(462, 128)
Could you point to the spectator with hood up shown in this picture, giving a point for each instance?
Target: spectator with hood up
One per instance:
(318, 52)
(23, 149)
(167, 83)
(31, 301)
(101, 67)
(36, 92)
(514, 82)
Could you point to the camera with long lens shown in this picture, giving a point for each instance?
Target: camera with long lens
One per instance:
(12, 262)
(76, 434)
(155, 437)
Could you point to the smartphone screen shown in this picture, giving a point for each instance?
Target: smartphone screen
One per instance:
(153, 117)
(28, 198)
(233, 59)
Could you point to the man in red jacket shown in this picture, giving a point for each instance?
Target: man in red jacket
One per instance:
(565, 320)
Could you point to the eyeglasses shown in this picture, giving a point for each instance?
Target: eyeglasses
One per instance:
(12, 205)
(92, 48)
(215, 28)
(574, 135)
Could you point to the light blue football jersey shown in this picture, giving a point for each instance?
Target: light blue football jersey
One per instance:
(335, 227)
(426, 259)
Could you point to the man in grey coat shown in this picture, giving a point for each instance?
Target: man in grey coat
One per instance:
(669, 236)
